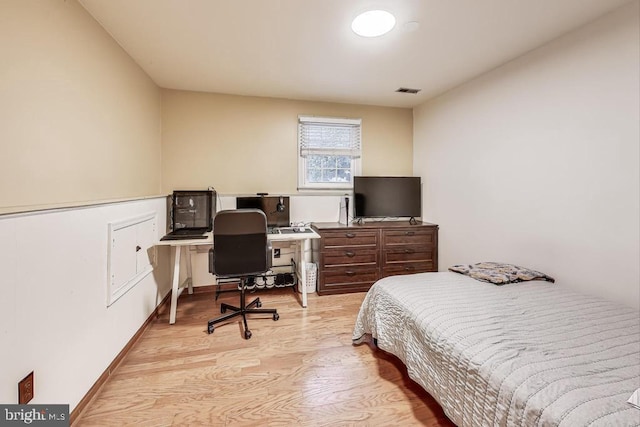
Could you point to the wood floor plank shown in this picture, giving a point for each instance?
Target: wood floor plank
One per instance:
(301, 370)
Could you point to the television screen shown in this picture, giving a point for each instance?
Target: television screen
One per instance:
(387, 196)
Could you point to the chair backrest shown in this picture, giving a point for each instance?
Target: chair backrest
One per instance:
(240, 246)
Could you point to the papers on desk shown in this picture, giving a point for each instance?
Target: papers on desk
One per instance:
(634, 400)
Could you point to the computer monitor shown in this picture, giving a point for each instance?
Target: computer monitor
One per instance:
(276, 209)
(193, 209)
(249, 203)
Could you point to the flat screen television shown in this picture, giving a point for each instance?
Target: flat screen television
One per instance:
(387, 196)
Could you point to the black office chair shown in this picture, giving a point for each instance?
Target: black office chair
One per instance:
(240, 250)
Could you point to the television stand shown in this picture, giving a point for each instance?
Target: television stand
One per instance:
(352, 257)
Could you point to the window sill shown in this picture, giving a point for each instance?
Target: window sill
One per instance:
(324, 191)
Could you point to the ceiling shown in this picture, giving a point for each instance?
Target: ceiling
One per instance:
(305, 49)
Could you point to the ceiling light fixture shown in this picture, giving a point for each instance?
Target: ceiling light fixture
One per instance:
(373, 23)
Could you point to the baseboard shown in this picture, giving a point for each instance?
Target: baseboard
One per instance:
(75, 414)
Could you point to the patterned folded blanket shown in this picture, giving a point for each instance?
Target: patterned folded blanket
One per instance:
(499, 273)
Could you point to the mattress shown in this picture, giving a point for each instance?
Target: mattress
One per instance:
(523, 354)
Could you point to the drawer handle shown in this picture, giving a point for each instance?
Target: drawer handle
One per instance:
(350, 254)
(350, 273)
(409, 251)
(350, 235)
(410, 233)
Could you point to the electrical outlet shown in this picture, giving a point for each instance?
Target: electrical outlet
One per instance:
(25, 389)
(276, 253)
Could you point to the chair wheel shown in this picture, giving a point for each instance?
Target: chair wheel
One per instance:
(276, 316)
(258, 304)
(247, 334)
(210, 329)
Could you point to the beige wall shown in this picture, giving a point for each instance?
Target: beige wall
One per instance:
(537, 162)
(241, 144)
(80, 120)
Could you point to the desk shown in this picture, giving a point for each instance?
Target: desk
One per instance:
(176, 289)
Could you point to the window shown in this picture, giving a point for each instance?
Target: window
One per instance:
(329, 152)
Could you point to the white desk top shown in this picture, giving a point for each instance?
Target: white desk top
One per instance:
(309, 233)
(280, 237)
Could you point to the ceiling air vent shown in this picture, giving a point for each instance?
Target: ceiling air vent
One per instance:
(408, 90)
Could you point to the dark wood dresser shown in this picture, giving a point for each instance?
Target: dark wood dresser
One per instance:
(351, 258)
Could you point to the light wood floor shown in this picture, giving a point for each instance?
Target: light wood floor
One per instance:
(299, 371)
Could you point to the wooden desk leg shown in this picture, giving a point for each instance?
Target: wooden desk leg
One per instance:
(189, 275)
(303, 273)
(176, 284)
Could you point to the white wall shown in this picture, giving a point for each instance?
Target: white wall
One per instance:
(53, 314)
(537, 162)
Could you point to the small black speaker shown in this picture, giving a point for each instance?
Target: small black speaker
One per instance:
(346, 208)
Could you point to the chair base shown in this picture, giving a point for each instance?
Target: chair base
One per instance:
(242, 310)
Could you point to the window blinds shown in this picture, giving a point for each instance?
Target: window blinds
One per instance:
(329, 136)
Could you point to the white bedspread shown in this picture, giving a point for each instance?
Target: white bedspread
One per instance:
(523, 354)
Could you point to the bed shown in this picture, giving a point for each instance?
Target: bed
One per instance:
(523, 354)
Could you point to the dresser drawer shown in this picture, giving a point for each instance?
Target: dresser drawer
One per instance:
(350, 238)
(349, 277)
(409, 236)
(336, 256)
(399, 254)
(408, 268)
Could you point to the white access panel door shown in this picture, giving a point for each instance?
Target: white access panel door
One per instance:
(131, 253)
(146, 239)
